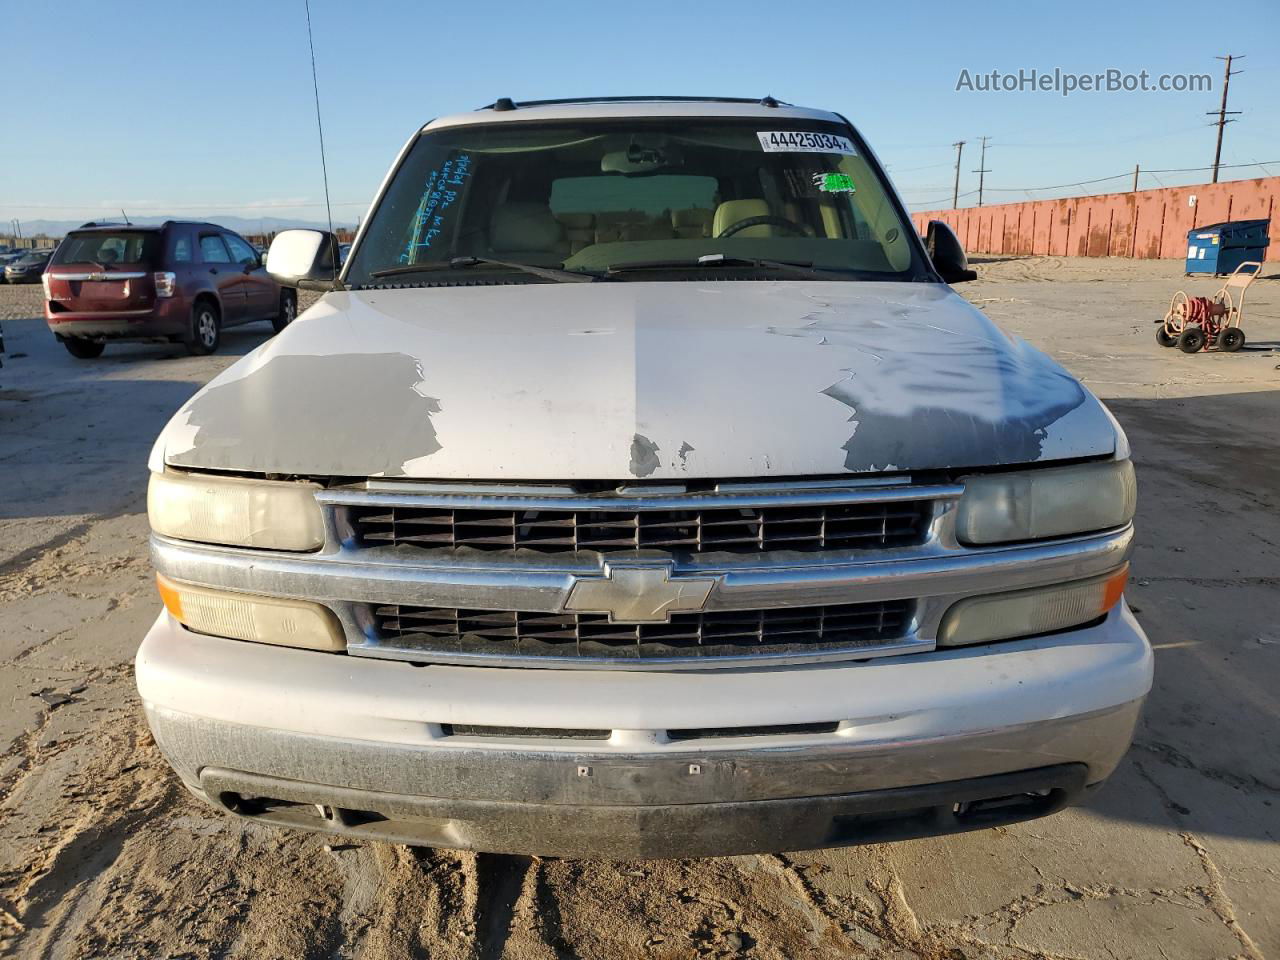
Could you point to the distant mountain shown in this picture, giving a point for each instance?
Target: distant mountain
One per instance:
(58, 228)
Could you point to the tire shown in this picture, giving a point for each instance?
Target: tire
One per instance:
(206, 329)
(1163, 338)
(1230, 339)
(1192, 339)
(83, 349)
(288, 311)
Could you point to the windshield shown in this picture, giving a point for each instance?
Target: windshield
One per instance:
(108, 247)
(609, 197)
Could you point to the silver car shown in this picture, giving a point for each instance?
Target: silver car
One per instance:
(641, 488)
(28, 267)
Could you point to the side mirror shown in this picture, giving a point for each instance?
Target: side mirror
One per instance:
(307, 259)
(947, 254)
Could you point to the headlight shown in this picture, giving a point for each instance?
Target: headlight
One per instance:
(241, 616)
(1050, 502)
(244, 513)
(1025, 613)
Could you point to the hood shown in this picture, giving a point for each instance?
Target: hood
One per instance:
(647, 380)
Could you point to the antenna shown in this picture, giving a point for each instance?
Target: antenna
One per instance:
(324, 169)
(126, 217)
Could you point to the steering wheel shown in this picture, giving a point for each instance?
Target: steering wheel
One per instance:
(798, 229)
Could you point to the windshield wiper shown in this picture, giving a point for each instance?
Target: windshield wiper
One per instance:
(461, 263)
(794, 267)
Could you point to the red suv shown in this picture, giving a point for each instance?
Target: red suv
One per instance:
(179, 281)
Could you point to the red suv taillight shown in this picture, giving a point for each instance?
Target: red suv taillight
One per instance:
(165, 283)
(44, 281)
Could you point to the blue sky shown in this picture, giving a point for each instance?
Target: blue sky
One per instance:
(197, 108)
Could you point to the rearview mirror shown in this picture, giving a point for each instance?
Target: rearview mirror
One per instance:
(640, 158)
(947, 254)
(304, 258)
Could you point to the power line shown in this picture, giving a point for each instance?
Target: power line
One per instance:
(1056, 186)
(1163, 133)
(155, 205)
(1084, 183)
(927, 166)
(1222, 111)
(250, 208)
(982, 170)
(955, 192)
(934, 203)
(1225, 166)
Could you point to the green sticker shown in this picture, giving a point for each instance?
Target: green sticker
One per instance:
(833, 182)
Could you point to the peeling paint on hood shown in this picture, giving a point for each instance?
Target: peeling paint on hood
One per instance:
(918, 390)
(760, 378)
(644, 456)
(276, 408)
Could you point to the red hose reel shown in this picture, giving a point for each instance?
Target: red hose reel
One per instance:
(1207, 314)
(1193, 323)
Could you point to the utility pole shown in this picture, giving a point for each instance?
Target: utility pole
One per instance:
(955, 193)
(982, 170)
(1135, 178)
(1222, 111)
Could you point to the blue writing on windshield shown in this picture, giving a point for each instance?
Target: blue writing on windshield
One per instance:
(438, 195)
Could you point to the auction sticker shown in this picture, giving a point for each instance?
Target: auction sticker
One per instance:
(801, 141)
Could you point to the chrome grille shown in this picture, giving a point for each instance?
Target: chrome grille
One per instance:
(707, 634)
(772, 730)
(676, 735)
(735, 529)
(526, 733)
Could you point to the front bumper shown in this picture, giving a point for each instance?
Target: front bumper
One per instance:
(925, 744)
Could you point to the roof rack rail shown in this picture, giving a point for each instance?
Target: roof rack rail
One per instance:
(506, 103)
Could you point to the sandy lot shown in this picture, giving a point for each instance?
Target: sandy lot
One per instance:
(102, 854)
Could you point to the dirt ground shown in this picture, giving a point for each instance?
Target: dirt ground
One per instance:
(102, 854)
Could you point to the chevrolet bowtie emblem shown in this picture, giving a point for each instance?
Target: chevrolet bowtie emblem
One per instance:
(638, 594)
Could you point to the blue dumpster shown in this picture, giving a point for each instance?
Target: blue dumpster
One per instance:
(1221, 247)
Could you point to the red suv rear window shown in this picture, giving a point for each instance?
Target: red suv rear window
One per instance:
(108, 247)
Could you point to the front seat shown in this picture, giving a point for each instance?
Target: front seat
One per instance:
(528, 233)
(692, 223)
(731, 211)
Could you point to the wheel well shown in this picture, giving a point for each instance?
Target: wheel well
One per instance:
(211, 300)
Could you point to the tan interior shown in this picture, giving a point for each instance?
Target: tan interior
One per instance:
(691, 224)
(522, 228)
(731, 211)
(580, 228)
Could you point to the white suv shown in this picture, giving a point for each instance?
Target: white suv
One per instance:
(639, 487)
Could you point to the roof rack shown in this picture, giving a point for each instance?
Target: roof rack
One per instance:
(147, 226)
(506, 103)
